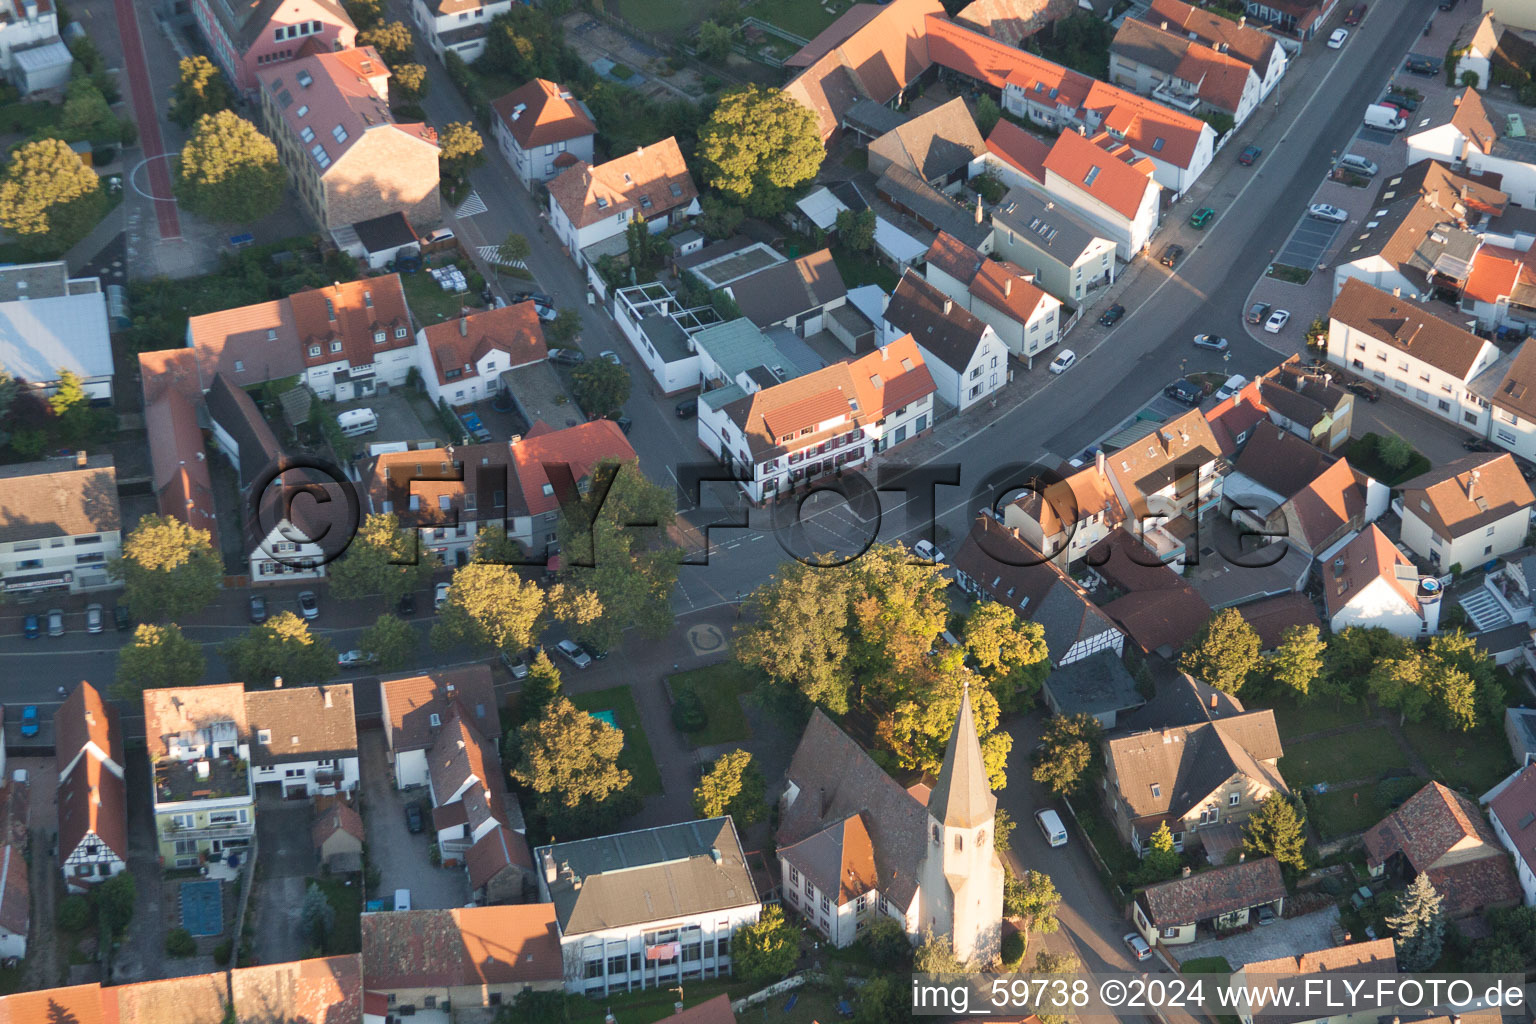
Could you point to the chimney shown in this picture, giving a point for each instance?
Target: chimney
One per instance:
(1397, 292)
(327, 691)
(1472, 485)
(1242, 857)
(463, 326)
(80, 459)
(1213, 702)
(978, 209)
(277, 682)
(1008, 288)
(949, 304)
(1242, 21)
(1099, 462)
(448, 688)
(1185, 872)
(549, 868)
(1163, 25)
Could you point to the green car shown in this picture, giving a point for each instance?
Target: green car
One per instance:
(1201, 217)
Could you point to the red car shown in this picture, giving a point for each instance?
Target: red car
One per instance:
(1355, 14)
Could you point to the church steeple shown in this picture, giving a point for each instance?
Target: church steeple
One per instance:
(962, 797)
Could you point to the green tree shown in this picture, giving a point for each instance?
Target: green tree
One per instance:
(69, 396)
(514, 251)
(531, 1006)
(114, 902)
(169, 569)
(766, 949)
(918, 727)
(1002, 831)
(1160, 860)
(988, 113)
(538, 691)
(641, 246)
(316, 916)
(1456, 696)
(365, 14)
(733, 785)
(565, 326)
(74, 912)
(383, 562)
(200, 89)
(281, 646)
(1298, 660)
(1419, 925)
(936, 955)
(1225, 652)
(757, 144)
(886, 941)
(1467, 683)
(157, 656)
(180, 943)
(49, 200)
(1394, 451)
(1034, 899)
(1047, 962)
(494, 546)
(86, 113)
(718, 218)
(390, 639)
(856, 230)
(411, 81)
(1009, 650)
(1277, 830)
(392, 39)
(600, 387)
(1068, 753)
(570, 757)
(620, 562)
(1402, 684)
(460, 149)
(882, 999)
(489, 606)
(714, 42)
(229, 171)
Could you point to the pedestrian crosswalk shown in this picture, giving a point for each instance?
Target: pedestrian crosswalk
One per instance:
(471, 206)
(492, 255)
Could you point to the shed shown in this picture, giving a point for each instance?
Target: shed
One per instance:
(41, 67)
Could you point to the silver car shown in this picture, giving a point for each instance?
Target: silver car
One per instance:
(573, 653)
(93, 618)
(1323, 211)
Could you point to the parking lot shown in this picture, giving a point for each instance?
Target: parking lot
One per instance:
(1309, 240)
(402, 858)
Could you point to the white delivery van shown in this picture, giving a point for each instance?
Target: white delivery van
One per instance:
(1379, 115)
(355, 422)
(402, 899)
(1050, 823)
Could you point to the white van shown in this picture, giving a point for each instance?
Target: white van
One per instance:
(356, 422)
(403, 896)
(1379, 115)
(1050, 823)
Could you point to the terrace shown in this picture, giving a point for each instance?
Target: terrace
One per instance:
(220, 778)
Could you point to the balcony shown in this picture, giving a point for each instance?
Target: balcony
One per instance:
(232, 830)
(1177, 97)
(220, 778)
(1507, 586)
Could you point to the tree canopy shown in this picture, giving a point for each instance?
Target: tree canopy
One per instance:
(391, 640)
(570, 757)
(157, 656)
(410, 80)
(733, 785)
(169, 569)
(280, 647)
(489, 606)
(200, 89)
(1034, 899)
(757, 144)
(1009, 651)
(1225, 653)
(1067, 757)
(49, 200)
(385, 560)
(229, 171)
(1298, 661)
(392, 39)
(601, 387)
(460, 149)
(1277, 830)
(1419, 925)
(765, 950)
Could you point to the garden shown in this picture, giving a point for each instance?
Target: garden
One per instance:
(637, 758)
(711, 698)
(1390, 459)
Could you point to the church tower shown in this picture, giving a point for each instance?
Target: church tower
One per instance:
(962, 875)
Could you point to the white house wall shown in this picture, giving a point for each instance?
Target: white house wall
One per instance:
(1494, 541)
(1377, 604)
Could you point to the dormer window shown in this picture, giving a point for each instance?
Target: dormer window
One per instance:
(302, 111)
(380, 337)
(435, 721)
(264, 736)
(400, 332)
(314, 350)
(336, 346)
(602, 204)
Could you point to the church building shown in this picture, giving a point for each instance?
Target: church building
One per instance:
(855, 846)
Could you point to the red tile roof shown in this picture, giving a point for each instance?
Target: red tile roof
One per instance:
(411, 701)
(1247, 41)
(93, 800)
(650, 181)
(1332, 500)
(248, 344)
(1496, 272)
(1236, 416)
(581, 447)
(996, 64)
(1368, 557)
(1472, 120)
(338, 817)
(86, 719)
(498, 849)
(1141, 123)
(1272, 616)
(1462, 497)
(1006, 287)
(1209, 894)
(715, 1011)
(197, 999)
(324, 990)
(887, 49)
(179, 461)
(1426, 827)
(461, 343)
(1105, 169)
(1019, 149)
(1515, 808)
(15, 893)
(834, 35)
(76, 1004)
(354, 313)
(476, 946)
(549, 115)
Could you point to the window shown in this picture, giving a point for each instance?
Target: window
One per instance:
(1157, 790)
(314, 350)
(860, 904)
(183, 820)
(1444, 405)
(617, 963)
(321, 156)
(380, 337)
(981, 838)
(234, 817)
(1233, 799)
(307, 133)
(90, 557)
(400, 332)
(336, 346)
(339, 133)
(264, 736)
(794, 876)
(826, 904)
(1170, 933)
(959, 843)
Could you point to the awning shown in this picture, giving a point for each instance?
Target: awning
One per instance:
(24, 583)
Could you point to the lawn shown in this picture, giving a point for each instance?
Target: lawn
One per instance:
(1362, 456)
(1206, 965)
(804, 18)
(1291, 275)
(720, 688)
(861, 268)
(637, 757)
(428, 300)
(675, 19)
(1342, 811)
(1471, 761)
(1367, 754)
(347, 901)
(1296, 720)
(813, 1003)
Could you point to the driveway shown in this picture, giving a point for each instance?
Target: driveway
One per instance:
(286, 859)
(402, 859)
(1287, 937)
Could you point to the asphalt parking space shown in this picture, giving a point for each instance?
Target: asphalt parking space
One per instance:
(1376, 136)
(1307, 243)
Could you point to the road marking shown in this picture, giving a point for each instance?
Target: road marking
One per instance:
(471, 206)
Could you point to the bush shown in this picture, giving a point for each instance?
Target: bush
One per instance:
(222, 953)
(179, 942)
(1013, 950)
(74, 913)
(688, 712)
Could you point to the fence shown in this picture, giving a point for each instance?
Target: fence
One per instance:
(247, 883)
(1098, 861)
(739, 1006)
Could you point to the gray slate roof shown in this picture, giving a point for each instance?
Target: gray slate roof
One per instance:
(235, 410)
(57, 498)
(911, 195)
(836, 779)
(1094, 685)
(944, 329)
(873, 119)
(1049, 227)
(651, 875)
(962, 796)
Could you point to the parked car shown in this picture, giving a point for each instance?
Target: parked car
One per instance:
(356, 659)
(567, 356)
(1323, 211)
(1257, 312)
(1277, 321)
(625, 423)
(1064, 361)
(122, 618)
(95, 622)
(687, 409)
(545, 312)
(1183, 391)
(1249, 155)
(309, 605)
(1401, 100)
(29, 720)
(1337, 39)
(439, 596)
(1364, 389)
(55, 622)
(1138, 946)
(517, 666)
(414, 822)
(407, 605)
(1358, 165)
(1170, 255)
(1233, 385)
(1213, 342)
(572, 652)
(1426, 66)
(258, 607)
(1478, 444)
(1112, 315)
(923, 549)
(611, 356)
(1201, 217)
(31, 627)
(1355, 14)
(1267, 916)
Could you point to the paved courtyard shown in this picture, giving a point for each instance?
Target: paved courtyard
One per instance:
(402, 859)
(1289, 936)
(286, 859)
